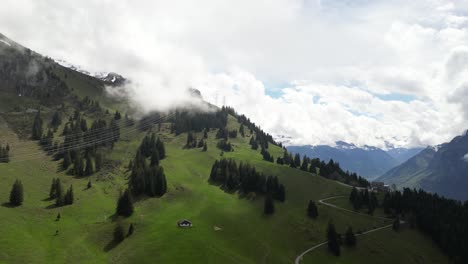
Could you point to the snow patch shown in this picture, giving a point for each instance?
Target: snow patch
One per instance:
(465, 157)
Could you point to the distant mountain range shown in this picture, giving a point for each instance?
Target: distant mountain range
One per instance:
(367, 161)
(442, 169)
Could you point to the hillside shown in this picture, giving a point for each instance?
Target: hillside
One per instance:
(440, 169)
(229, 226)
(369, 162)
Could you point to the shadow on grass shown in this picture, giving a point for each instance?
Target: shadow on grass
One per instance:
(8, 205)
(111, 245)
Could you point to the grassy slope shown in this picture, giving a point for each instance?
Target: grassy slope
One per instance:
(85, 229)
(385, 246)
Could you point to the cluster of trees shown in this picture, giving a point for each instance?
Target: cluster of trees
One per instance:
(5, 153)
(144, 178)
(266, 155)
(335, 240)
(185, 121)
(16, 193)
(246, 179)
(57, 192)
(330, 170)
(56, 120)
(445, 220)
(193, 143)
(82, 165)
(224, 145)
(362, 198)
(90, 105)
(81, 143)
(36, 133)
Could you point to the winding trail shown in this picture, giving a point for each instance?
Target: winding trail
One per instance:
(322, 201)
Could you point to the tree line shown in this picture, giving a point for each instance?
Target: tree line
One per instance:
(330, 170)
(148, 179)
(246, 179)
(362, 198)
(5, 153)
(444, 220)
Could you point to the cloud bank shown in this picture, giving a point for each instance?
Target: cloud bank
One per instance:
(366, 72)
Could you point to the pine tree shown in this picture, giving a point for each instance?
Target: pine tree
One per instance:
(58, 193)
(66, 160)
(98, 161)
(312, 210)
(205, 133)
(161, 149)
(16, 194)
(333, 241)
(269, 207)
(37, 127)
(56, 120)
(89, 184)
(241, 130)
(154, 158)
(69, 196)
(125, 204)
(89, 166)
(281, 194)
(350, 238)
(373, 203)
(205, 147)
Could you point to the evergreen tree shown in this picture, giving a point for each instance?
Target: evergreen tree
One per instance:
(66, 160)
(350, 238)
(56, 120)
(205, 133)
(269, 207)
(161, 149)
(59, 201)
(373, 203)
(89, 166)
(205, 147)
(125, 204)
(69, 196)
(333, 240)
(16, 194)
(154, 158)
(37, 127)
(98, 161)
(241, 130)
(297, 160)
(281, 194)
(53, 189)
(89, 184)
(312, 210)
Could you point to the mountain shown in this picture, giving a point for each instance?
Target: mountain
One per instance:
(367, 161)
(403, 154)
(442, 169)
(229, 226)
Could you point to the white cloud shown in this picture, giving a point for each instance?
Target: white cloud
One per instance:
(337, 63)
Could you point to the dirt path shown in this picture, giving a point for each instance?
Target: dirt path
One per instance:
(322, 201)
